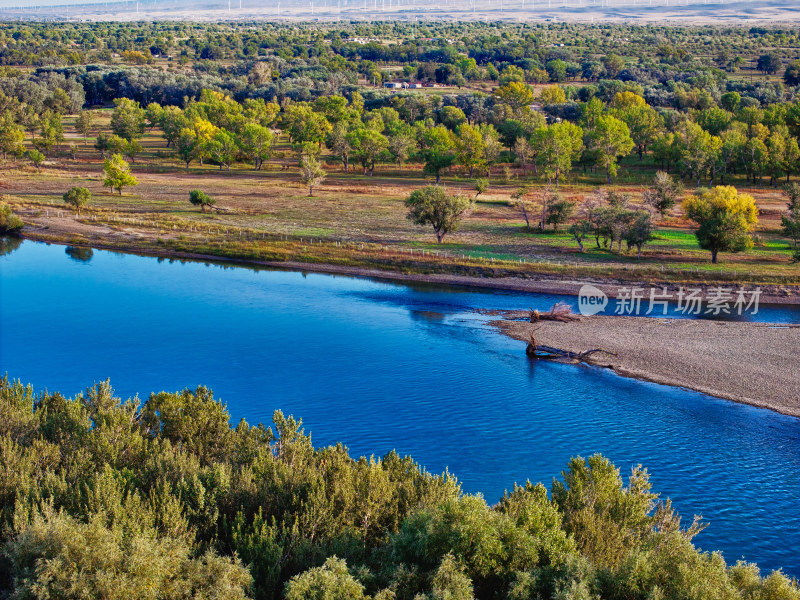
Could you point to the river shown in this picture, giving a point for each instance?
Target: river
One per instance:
(379, 365)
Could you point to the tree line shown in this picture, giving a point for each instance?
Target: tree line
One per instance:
(164, 499)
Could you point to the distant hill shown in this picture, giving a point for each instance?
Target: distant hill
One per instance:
(654, 11)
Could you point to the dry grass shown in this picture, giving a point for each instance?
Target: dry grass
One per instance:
(356, 208)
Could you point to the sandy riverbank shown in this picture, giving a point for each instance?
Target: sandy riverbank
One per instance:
(752, 363)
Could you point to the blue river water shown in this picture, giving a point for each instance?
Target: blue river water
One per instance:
(381, 366)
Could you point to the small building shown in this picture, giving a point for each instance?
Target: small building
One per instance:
(393, 85)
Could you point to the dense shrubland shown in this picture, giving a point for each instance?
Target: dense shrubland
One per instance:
(164, 499)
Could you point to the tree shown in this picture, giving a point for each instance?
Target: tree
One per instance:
(553, 94)
(516, 95)
(450, 581)
(579, 231)
(522, 202)
(792, 74)
(78, 197)
(9, 222)
(559, 212)
(639, 232)
(400, 144)
(432, 205)
(173, 122)
(469, 146)
(511, 73)
(790, 222)
(557, 70)
(367, 144)
(437, 150)
(339, 142)
(769, 63)
(311, 173)
(222, 148)
(117, 174)
(559, 144)
(36, 157)
(128, 119)
(481, 186)
(523, 151)
(725, 220)
(331, 581)
(644, 124)
(186, 145)
(201, 199)
(304, 125)
(451, 117)
(255, 142)
(611, 138)
(84, 123)
(730, 101)
(12, 138)
(664, 193)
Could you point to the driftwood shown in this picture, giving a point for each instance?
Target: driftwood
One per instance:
(560, 312)
(539, 351)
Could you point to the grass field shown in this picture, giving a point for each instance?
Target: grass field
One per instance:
(360, 220)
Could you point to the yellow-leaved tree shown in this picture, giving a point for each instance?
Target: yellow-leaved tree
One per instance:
(725, 219)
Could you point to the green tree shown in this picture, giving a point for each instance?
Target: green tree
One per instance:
(559, 212)
(580, 231)
(255, 143)
(639, 231)
(450, 582)
(730, 101)
(311, 173)
(303, 124)
(172, 123)
(433, 206)
(9, 222)
(84, 123)
(36, 157)
(559, 144)
(331, 581)
(77, 197)
(117, 174)
(469, 148)
(339, 142)
(725, 220)
(186, 146)
(12, 138)
(790, 222)
(367, 144)
(128, 119)
(201, 199)
(481, 186)
(222, 148)
(792, 74)
(611, 139)
(438, 150)
(451, 117)
(644, 123)
(769, 63)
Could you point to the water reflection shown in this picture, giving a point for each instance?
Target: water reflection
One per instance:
(79, 253)
(9, 243)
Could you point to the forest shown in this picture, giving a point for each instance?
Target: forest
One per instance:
(103, 498)
(526, 110)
